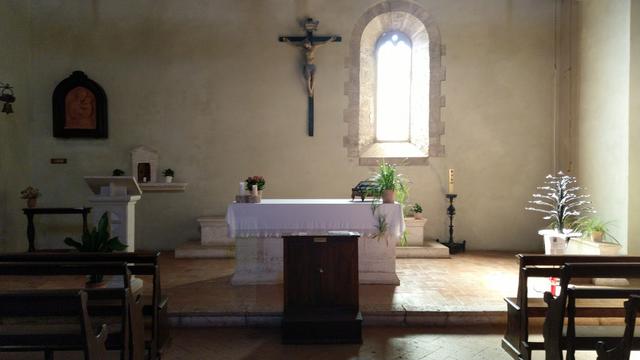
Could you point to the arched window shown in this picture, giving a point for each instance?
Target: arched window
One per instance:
(395, 75)
(393, 87)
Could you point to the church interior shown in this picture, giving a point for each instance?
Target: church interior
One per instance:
(307, 179)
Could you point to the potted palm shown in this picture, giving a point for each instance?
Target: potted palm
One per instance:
(168, 175)
(389, 184)
(562, 204)
(30, 194)
(595, 229)
(97, 240)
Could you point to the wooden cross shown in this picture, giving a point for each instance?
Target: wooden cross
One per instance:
(309, 43)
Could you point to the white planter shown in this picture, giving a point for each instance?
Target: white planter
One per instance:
(555, 243)
(168, 179)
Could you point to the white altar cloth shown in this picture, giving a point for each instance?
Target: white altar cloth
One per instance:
(258, 228)
(275, 217)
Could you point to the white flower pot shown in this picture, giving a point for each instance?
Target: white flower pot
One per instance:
(555, 243)
(168, 179)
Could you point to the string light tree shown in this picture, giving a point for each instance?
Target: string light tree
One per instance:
(563, 204)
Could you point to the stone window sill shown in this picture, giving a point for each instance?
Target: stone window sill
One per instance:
(401, 153)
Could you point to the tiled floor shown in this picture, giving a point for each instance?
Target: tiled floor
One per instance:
(474, 281)
(379, 343)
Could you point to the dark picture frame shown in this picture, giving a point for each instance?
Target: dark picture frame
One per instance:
(79, 108)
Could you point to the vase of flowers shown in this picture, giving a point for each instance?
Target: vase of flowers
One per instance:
(259, 183)
(562, 204)
(30, 194)
(417, 211)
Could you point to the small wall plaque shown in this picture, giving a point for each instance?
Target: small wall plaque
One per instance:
(58, 161)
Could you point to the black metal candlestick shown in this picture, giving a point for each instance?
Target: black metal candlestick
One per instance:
(454, 247)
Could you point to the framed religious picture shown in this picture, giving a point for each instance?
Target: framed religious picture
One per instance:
(79, 108)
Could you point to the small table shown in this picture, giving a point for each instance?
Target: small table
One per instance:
(31, 212)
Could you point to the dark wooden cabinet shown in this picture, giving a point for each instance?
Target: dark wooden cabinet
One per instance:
(321, 303)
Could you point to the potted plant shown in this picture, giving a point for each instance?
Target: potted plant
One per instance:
(562, 204)
(594, 228)
(168, 175)
(97, 240)
(389, 184)
(117, 172)
(258, 181)
(31, 194)
(417, 211)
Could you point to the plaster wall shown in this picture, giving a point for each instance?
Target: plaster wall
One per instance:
(634, 131)
(207, 84)
(602, 108)
(14, 136)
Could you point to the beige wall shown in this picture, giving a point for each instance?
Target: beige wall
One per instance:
(14, 160)
(600, 63)
(207, 84)
(634, 131)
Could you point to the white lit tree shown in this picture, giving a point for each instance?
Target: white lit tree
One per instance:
(561, 202)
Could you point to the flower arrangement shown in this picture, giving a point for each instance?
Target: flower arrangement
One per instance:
(416, 208)
(30, 193)
(561, 202)
(117, 172)
(168, 172)
(255, 180)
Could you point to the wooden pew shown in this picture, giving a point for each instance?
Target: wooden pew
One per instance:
(565, 304)
(521, 309)
(45, 304)
(128, 336)
(140, 263)
(622, 350)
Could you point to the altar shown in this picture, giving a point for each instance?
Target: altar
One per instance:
(258, 229)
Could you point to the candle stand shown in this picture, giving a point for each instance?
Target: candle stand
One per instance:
(453, 246)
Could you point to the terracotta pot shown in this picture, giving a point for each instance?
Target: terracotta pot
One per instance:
(388, 196)
(418, 216)
(31, 203)
(597, 236)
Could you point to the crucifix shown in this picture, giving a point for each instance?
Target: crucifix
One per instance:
(309, 43)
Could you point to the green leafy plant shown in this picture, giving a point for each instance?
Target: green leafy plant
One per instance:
(416, 208)
(167, 172)
(117, 172)
(589, 225)
(388, 178)
(30, 193)
(97, 240)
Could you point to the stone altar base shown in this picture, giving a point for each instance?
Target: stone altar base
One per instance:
(259, 261)
(214, 242)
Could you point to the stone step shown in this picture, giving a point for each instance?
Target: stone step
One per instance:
(430, 250)
(193, 249)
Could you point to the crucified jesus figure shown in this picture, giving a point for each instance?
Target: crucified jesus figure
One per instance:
(310, 56)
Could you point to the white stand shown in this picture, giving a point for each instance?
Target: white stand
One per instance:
(117, 196)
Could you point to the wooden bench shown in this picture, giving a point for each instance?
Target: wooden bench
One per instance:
(557, 339)
(521, 309)
(139, 263)
(622, 350)
(117, 305)
(44, 304)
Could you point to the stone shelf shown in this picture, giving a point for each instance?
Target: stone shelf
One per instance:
(163, 187)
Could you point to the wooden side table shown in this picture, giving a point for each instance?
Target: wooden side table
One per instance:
(321, 300)
(31, 212)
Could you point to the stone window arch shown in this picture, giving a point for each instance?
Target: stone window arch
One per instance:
(426, 127)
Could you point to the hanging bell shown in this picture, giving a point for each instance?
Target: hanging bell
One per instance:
(7, 108)
(7, 97)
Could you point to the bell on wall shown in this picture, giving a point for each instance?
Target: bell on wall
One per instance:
(6, 96)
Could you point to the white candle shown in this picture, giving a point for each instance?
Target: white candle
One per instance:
(254, 190)
(450, 182)
(243, 188)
